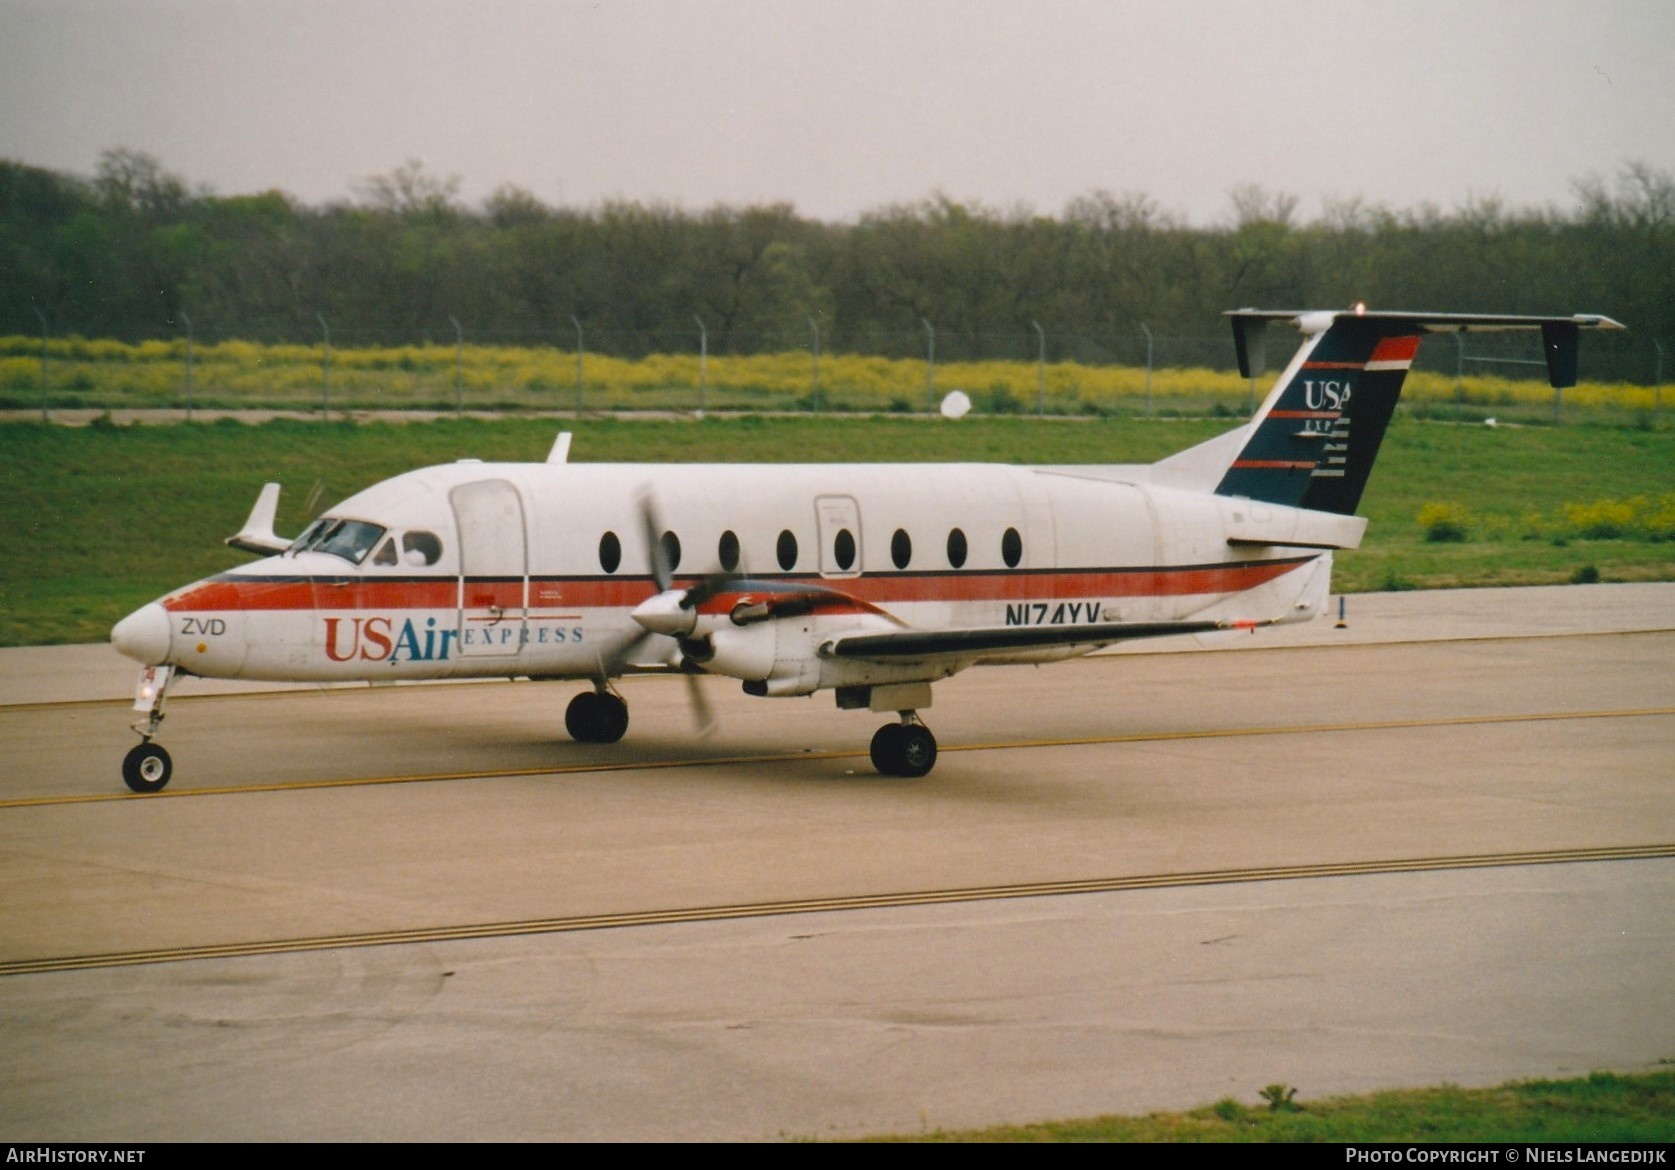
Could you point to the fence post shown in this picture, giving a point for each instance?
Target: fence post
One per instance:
(814, 395)
(1657, 382)
(703, 363)
(326, 367)
(930, 366)
(1040, 370)
(1147, 331)
(184, 317)
(45, 414)
(580, 343)
(459, 359)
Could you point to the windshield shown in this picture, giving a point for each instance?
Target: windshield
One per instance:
(308, 535)
(349, 539)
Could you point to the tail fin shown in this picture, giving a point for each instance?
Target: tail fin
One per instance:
(1313, 442)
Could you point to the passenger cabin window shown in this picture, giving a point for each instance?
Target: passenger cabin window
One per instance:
(727, 551)
(415, 550)
(956, 547)
(843, 549)
(610, 552)
(420, 549)
(671, 550)
(1011, 548)
(901, 548)
(787, 550)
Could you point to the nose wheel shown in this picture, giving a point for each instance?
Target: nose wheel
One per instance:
(147, 768)
(904, 749)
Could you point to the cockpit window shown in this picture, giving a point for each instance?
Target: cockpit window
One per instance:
(309, 535)
(420, 548)
(349, 539)
(386, 553)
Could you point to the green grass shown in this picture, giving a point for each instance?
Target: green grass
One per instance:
(95, 521)
(1603, 1107)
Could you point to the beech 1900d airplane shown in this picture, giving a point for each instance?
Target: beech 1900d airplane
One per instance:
(869, 580)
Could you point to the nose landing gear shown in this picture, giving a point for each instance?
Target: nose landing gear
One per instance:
(147, 767)
(904, 749)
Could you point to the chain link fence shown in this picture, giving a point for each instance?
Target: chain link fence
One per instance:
(457, 368)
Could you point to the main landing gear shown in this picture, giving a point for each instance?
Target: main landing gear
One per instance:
(904, 749)
(147, 768)
(597, 716)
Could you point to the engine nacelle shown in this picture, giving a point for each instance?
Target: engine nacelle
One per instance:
(746, 653)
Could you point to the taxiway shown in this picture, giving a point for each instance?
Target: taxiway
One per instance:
(422, 913)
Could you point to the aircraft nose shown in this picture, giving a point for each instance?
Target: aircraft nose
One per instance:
(143, 635)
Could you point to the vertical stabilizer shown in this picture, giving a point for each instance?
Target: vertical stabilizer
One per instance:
(1313, 442)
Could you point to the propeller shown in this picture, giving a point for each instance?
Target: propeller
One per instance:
(673, 613)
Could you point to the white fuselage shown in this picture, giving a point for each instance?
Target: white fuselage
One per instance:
(525, 569)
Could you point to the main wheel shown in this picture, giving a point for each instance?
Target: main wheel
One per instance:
(887, 749)
(593, 717)
(147, 768)
(581, 716)
(918, 750)
(614, 723)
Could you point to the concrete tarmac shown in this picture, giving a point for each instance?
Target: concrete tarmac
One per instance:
(1348, 746)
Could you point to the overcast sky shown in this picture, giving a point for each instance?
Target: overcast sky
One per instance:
(840, 106)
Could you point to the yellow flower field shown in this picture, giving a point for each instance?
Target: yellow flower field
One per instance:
(113, 374)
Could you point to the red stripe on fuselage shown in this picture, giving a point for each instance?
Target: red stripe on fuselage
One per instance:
(245, 593)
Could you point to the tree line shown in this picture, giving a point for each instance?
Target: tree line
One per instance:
(136, 253)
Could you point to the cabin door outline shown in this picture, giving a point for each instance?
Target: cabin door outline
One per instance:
(493, 568)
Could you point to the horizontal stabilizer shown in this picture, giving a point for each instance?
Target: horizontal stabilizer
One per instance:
(1558, 334)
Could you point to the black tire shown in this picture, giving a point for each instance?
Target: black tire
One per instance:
(918, 750)
(592, 717)
(581, 717)
(614, 721)
(147, 768)
(886, 749)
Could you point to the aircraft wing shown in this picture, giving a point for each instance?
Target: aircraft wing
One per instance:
(985, 640)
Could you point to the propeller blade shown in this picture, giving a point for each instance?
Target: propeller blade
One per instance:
(613, 664)
(652, 531)
(702, 717)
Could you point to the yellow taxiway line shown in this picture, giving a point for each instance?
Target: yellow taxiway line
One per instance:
(787, 757)
(909, 898)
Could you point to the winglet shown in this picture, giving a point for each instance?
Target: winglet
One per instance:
(257, 535)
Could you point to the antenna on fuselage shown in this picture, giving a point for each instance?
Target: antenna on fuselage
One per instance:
(561, 449)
